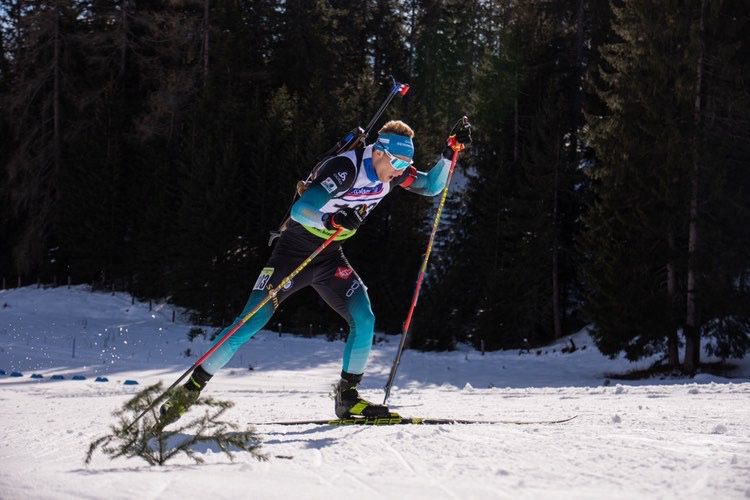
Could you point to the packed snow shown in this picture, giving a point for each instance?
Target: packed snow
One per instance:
(656, 438)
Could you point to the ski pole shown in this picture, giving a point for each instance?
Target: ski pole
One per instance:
(398, 88)
(249, 315)
(389, 384)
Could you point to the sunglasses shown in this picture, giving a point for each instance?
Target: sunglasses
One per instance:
(396, 163)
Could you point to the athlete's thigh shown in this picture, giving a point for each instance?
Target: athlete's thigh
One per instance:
(338, 284)
(278, 268)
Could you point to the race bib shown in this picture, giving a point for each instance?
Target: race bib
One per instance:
(263, 278)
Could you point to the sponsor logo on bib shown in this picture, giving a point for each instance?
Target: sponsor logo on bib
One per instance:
(366, 190)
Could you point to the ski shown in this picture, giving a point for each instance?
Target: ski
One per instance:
(398, 420)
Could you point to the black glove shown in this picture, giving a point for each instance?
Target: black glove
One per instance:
(460, 137)
(348, 218)
(463, 134)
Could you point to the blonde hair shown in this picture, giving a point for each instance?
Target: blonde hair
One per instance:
(397, 127)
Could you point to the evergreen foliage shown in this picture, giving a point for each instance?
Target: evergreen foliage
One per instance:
(663, 147)
(149, 440)
(513, 250)
(640, 182)
(151, 146)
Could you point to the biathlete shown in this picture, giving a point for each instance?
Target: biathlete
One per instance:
(345, 189)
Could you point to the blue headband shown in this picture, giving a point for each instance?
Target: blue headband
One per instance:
(396, 145)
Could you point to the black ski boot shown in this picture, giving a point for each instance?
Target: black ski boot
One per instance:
(349, 404)
(183, 397)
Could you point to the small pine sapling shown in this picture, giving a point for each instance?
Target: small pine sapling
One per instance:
(153, 443)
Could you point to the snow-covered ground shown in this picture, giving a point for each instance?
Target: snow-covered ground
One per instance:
(646, 439)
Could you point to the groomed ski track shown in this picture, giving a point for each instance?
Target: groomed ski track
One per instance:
(649, 439)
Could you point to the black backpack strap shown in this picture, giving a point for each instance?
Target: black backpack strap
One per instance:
(318, 166)
(360, 153)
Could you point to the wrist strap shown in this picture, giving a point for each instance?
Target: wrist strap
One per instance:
(454, 145)
(333, 222)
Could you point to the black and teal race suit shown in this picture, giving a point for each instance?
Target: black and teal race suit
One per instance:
(341, 181)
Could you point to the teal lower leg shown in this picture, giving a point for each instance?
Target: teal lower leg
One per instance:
(361, 329)
(223, 354)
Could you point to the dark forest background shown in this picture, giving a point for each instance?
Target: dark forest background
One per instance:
(150, 146)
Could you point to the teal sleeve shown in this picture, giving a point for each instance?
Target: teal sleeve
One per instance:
(432, 183)
(306, 210)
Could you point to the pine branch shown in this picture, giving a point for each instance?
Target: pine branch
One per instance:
(150, 441)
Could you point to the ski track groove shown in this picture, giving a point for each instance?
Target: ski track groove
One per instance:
(424, 472)
(367, 485)
(401, 458)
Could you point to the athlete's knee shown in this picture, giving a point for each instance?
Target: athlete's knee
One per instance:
(363, 322)
(250, 324)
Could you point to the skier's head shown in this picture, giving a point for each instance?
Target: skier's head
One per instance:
(393, 151)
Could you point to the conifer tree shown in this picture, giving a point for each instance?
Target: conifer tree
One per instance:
(40, 99)
(639, 181)
(719, 182)
(652, 182)
(517, 256)
(150, 440)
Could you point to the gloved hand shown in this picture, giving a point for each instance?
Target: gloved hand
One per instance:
(460, 137)
(347, 217)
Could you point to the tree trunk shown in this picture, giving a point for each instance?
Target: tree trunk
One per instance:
(124, 42)
(412, 35)
(515, 127)
(556, 312)
(557, 317)
(578, 91)
(56, 92)
(206, 29)
(673, 354)
(692, 329)
(16, 15)
(377, 43)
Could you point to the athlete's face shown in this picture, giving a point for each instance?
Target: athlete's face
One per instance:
(383, 167)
